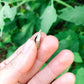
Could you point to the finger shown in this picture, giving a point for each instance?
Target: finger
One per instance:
(45, 51)
(54, 68)
(20, 64)
(67, 78)
(5, 62)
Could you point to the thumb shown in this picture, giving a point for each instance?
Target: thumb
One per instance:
(22, 63)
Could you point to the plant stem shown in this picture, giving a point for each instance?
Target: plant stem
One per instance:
(21, 3)
(51, 2)
(24, 1)
(1, 31)
(0, 4)
(63, 3)
(11, 1)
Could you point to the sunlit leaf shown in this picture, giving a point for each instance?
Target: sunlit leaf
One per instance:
(10, 12)
(80, 76)
(74, 15)
(77, 57)
(48, 18)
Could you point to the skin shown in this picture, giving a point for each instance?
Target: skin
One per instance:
(22, 67)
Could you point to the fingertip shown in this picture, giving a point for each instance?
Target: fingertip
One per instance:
(54, 40)
(61, 62)
(43, 35)
(67, 78)
(70, 76)
(51, 42)
(68, 54)
(47, 47)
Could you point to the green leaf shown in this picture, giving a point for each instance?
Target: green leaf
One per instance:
(64, 34)
(63, 44)
(29, 15)
(82, 52)
(24, 34)
(82, 39)
(10, 12)
(1, 30)
(1, 21)
(74, 45)
(11, 1)
(48, 18)
(1, 45)
(77, 67)
(11, 50)
(13, 12)
(77, 57)
(7, 0)
(1, 18)
(0, 6)
(80, 76)
(74, 15)
(7, 39)
(7, 11)
(67, 40)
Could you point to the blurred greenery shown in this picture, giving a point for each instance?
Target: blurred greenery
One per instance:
(20, 19)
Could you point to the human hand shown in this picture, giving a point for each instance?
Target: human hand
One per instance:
(23, 66)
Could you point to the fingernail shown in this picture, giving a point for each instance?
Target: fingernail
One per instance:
(28, 45)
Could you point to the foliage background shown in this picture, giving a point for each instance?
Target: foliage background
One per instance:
(20, 19)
